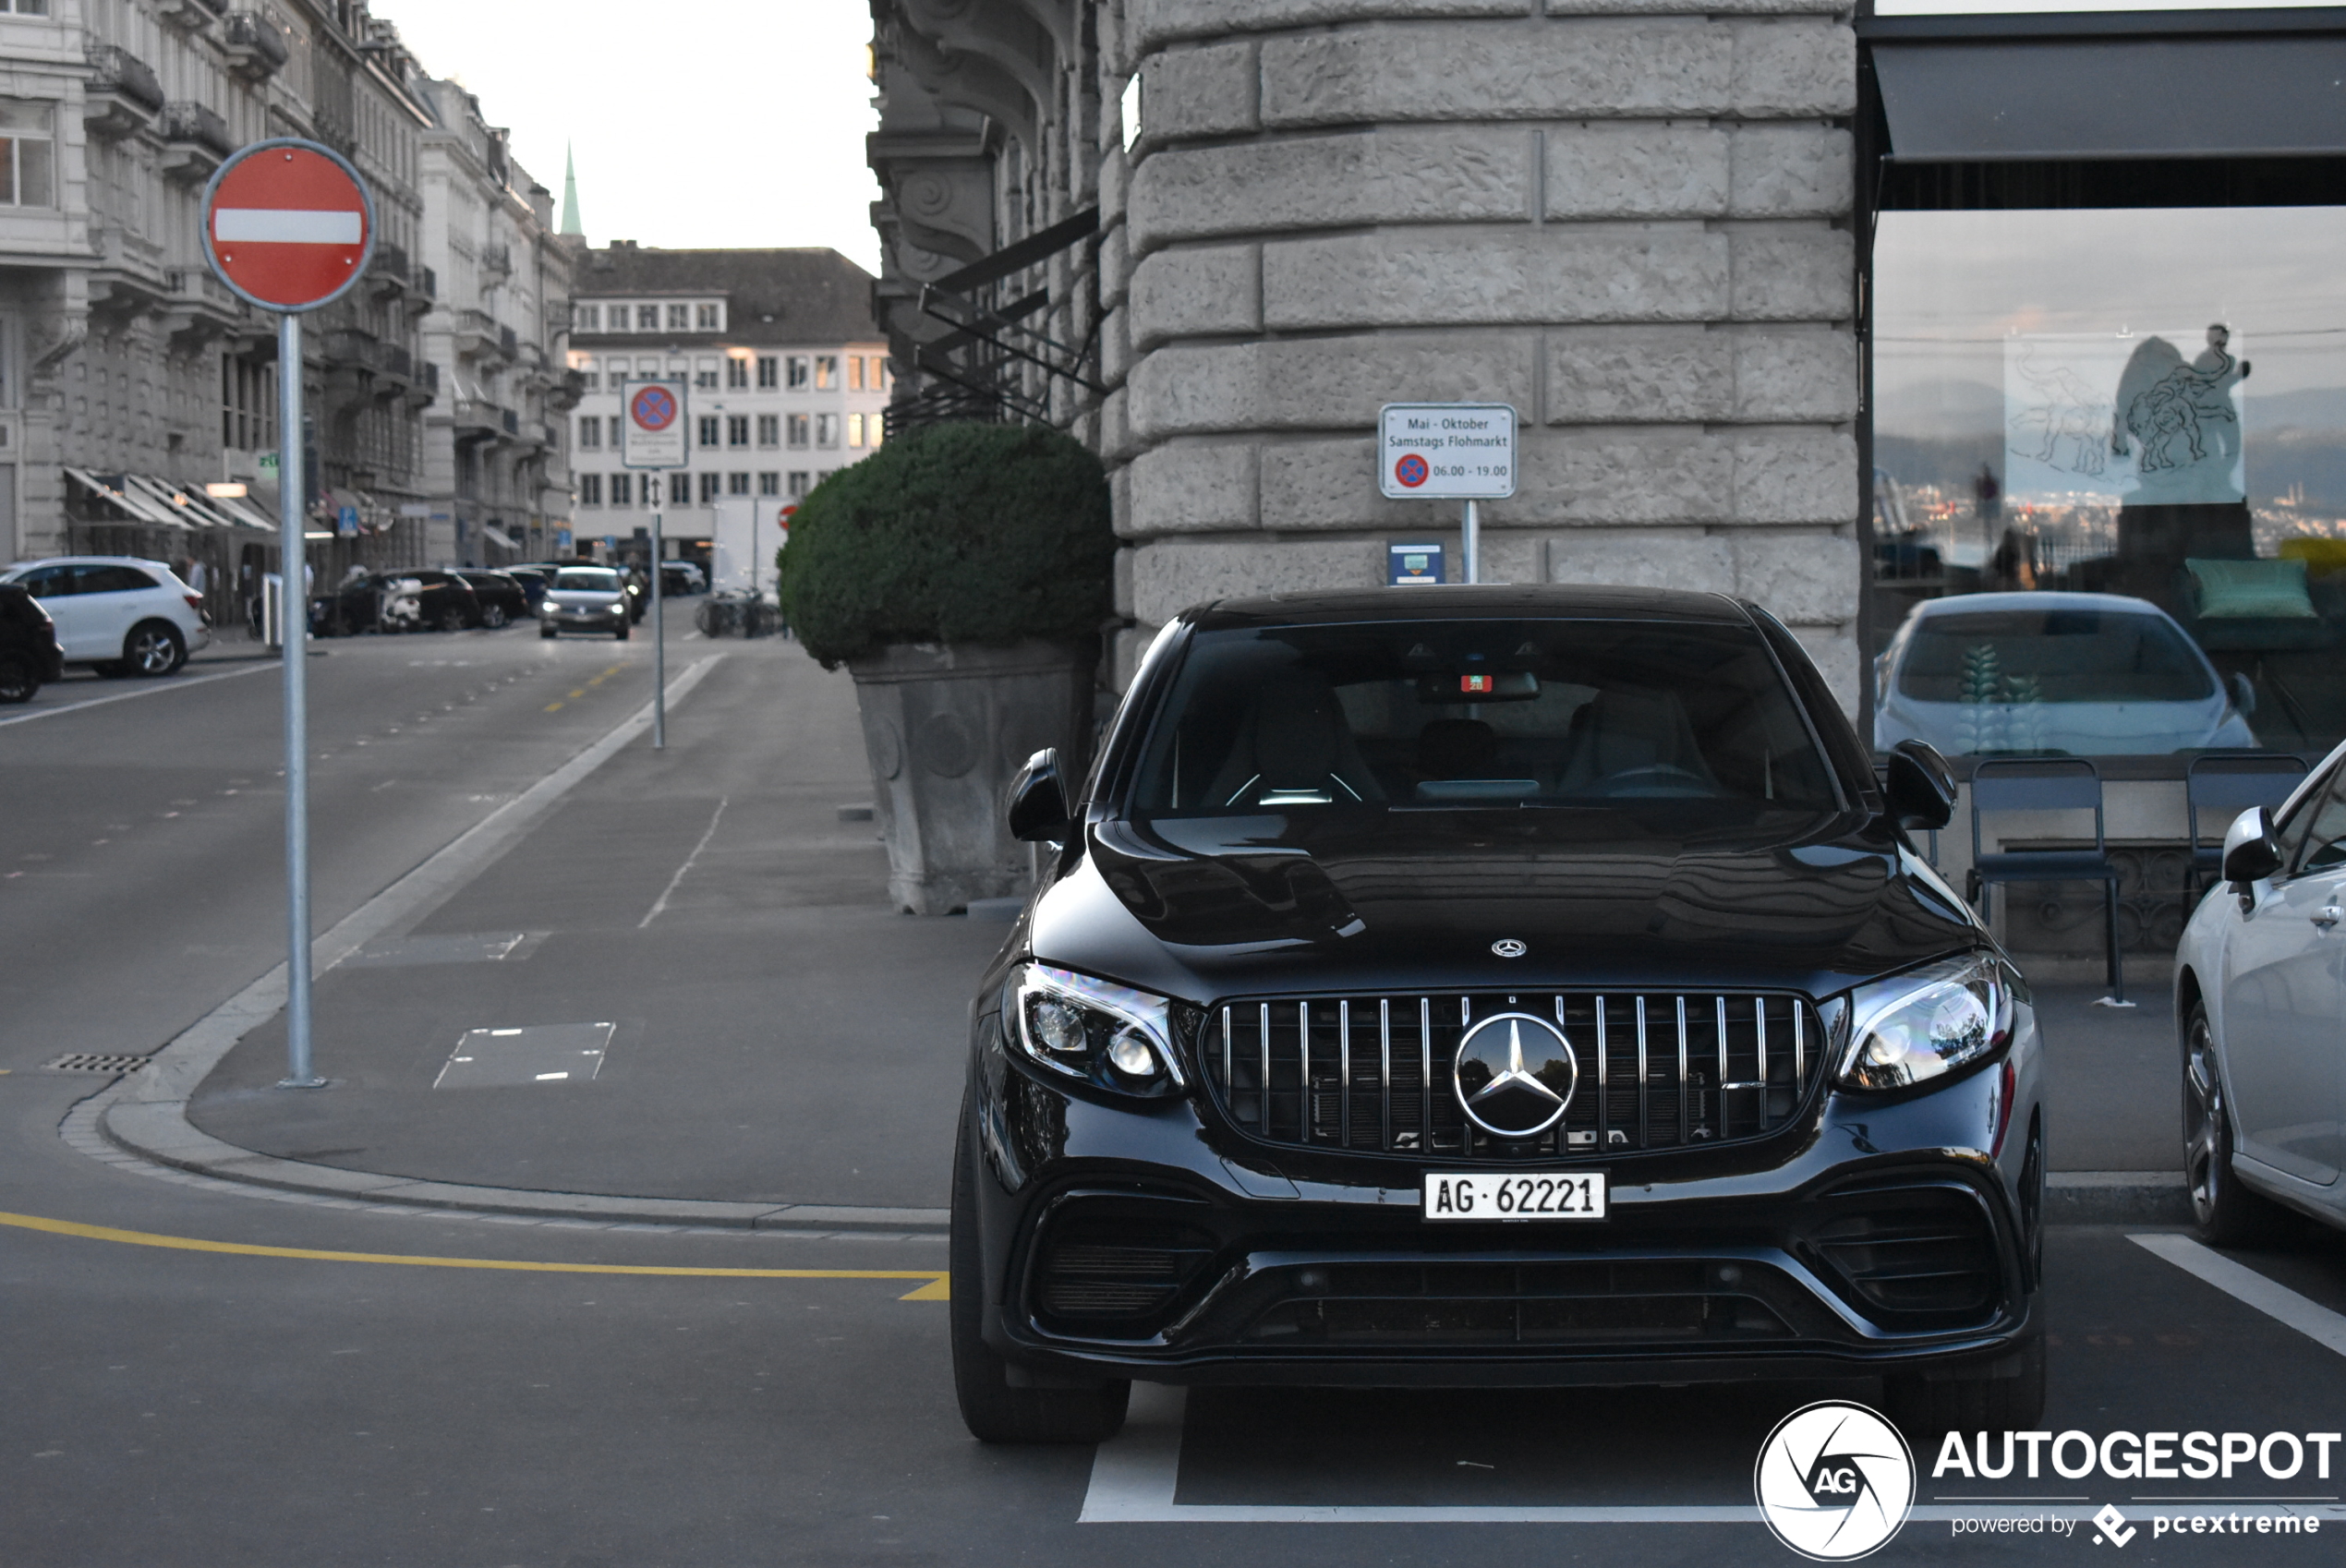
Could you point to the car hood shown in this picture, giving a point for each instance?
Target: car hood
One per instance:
(1205, 908)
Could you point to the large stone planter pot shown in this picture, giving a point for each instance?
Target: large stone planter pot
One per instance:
(947, 728)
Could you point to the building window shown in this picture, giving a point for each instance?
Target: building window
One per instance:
(855, 372)
(826, 371)
(708, 423)
(826, 430)
(798, 425)
(622, 489)
(737, 429)
(615, 437)
(591, 489)
(770, 372)
(247, 404)
(647, 318)
(874, 427)
(28, 154)
(736, 374)
(800, 483)
(798, 372)
(27, 7)
(647, 368)
(705, 318)
(704, 375)
(680, 489)
(855, 427)
(679, 317)
(770, 483)
(586, 317)
(590, 432)
(708, 487)
(877, 380)
(737, 484)
(615, 319)
(769, 429)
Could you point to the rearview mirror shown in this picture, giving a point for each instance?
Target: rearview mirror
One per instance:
(2251, 851)
(1037, 800)
(1922, 787)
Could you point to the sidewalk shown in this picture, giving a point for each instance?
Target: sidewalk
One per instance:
(777, 1046)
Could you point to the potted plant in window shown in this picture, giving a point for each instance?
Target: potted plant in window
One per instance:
(962, 573)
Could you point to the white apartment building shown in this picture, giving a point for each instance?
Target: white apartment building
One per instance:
(786, 373)
(495, 462)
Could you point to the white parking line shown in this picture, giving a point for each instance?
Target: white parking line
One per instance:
(179, 685)
(2316, 1321)
(1135, 1473)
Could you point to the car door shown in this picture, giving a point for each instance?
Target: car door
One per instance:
(59, 589)
(111, 599)
(2285, 999)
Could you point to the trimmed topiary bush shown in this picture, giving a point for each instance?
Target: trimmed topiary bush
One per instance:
(987, 534)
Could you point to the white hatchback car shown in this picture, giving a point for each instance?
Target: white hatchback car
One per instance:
(116, 614)
(2260, 991)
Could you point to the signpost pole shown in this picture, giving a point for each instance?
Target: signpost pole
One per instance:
(292, 614)
(1470, 545)
(659, 638)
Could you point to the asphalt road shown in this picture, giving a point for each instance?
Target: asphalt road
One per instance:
(195, 1373)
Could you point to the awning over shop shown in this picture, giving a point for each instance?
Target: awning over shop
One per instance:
(2116, 98)
(245, 513)
(127, 498)
(499, 538)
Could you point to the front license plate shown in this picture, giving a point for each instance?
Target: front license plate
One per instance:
(1478, 1195)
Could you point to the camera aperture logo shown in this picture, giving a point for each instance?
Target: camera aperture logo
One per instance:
(1834, 1481)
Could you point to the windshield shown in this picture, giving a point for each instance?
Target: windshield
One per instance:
(1429, 714)
(2053, 655)
(592, 581)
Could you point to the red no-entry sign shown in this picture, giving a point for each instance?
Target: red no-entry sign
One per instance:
(288, 225)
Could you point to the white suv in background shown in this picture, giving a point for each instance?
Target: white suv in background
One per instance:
(116, 614)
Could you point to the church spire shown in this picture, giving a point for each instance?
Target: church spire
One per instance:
(571, 224)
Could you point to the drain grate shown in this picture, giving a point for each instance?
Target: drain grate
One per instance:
(85, 1061)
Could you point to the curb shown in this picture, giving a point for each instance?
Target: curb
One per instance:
(2117, 1198)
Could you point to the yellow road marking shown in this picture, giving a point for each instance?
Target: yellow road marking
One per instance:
(934, 1290)
(551, 707)
(578, 693)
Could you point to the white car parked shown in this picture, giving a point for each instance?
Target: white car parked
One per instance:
(2260, 991)
(116, 614)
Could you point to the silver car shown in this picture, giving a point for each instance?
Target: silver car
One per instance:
(2260, 991)
(2088, 674)
(584, 598)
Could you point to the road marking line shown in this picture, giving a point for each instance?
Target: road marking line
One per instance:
(934, 1287)
(160, 686)
(661, 902)
(553, 708)
(2276, 1302)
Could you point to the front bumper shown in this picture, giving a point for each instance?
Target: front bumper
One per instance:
(1146, 1240)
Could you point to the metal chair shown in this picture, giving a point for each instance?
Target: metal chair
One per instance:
(2046, 784)
(2228, 783)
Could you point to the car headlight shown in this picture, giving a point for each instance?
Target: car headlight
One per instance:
(1927, 1023)
(1108, 1035)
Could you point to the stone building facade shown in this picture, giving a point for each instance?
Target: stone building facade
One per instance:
(1628, 219)
(497, 464)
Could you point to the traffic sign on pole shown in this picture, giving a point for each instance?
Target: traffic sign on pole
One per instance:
(656, 431)
(1448, 452)
(288, 225)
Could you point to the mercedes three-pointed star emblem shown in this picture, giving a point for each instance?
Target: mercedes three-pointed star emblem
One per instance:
(1515, 1074)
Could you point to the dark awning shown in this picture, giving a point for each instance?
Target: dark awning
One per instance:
(2117, 98)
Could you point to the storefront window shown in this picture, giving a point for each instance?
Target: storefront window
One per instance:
(2110, 486)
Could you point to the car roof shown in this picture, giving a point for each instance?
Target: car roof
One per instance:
(86, 561)
(1494, 601)
(2036, 599)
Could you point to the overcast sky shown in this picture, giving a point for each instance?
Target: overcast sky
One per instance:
(696, 122)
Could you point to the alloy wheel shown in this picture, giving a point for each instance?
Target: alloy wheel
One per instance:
(2202, 1121)
(153, 651)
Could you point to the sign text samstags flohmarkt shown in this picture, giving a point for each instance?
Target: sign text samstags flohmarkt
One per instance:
(1447, 451)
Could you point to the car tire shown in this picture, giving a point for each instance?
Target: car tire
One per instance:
(2223, 1213)
(451, 619)
(546, 634)
(991, 1408)
(154, 648)
(492, 616)
(18, 679)
(621, 635)
(1924, 1410)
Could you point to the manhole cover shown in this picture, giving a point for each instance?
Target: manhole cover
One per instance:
(539, 1054)
(83, 1061)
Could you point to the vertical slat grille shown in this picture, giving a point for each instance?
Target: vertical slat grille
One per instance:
(1374, 1073)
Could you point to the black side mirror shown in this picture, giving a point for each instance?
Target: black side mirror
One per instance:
(1038, 801)
(1922, 787)
(2251, 851)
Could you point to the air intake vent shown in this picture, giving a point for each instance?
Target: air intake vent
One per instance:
(1117, 1277)
(1913, 1253)
(1374, 1073)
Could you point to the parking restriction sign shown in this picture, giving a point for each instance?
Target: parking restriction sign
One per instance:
(655, 432)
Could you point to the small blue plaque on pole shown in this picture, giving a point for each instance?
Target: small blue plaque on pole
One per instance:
(1409, 563)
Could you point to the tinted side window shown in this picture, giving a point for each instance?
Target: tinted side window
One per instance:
(2325, 819)
(50, 583)
(111, 579)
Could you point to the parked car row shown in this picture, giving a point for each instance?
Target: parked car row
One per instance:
(430, 600)
(115, 614)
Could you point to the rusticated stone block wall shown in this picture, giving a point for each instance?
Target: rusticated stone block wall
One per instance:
(1630, 224)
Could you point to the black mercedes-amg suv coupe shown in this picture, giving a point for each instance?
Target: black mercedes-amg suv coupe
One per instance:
(1457, 986)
